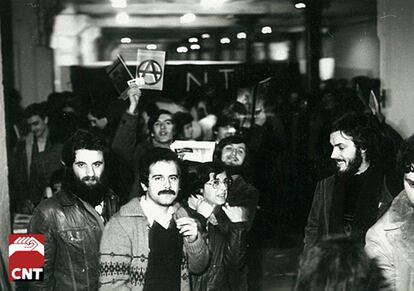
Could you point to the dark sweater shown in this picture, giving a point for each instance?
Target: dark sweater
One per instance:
(164, 260)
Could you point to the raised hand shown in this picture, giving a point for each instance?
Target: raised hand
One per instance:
(134, 93)
(235, 213)
(187, 227)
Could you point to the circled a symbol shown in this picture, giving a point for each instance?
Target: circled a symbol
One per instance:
(151, 71)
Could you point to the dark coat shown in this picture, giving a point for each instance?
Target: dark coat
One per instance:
(73, 230)
(319, 222)
(227, 242)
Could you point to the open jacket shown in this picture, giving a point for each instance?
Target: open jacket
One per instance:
(72, 230)
(319, 223)
(391, 242)
(125, 249)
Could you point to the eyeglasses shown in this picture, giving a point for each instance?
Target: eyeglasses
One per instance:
(216, 183)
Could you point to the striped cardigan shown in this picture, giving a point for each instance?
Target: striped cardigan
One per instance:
(124, 251)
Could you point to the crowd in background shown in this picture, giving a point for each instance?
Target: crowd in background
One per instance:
(287, 141)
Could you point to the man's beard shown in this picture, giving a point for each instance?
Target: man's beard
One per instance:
(353, 165)
(92, 194)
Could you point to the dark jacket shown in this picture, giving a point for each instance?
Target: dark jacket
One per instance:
(73, 231)
(227, 242)
(319, 222)
(22, 172)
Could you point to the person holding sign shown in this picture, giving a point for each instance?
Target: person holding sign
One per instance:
(126, 144)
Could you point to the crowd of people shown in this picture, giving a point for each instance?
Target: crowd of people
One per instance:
(121, 211)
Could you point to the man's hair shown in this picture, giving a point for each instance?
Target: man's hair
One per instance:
(180, 119)
(234, 139)
(154, 156)
(226, 120)
(405, 157)
(35, 109)
(154, 117)
(83, 139)
(338, 264)
(364, 131)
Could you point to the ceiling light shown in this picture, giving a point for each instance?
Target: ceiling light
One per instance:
(122, 18)
(187, 18)
(224, 40)
(300, 5)
(266, 29)
(182, 49)
(151, 46)
(205, 35)
(119, 3)
(125, 40)
(212, 3)
(241, 35)
(193, 39)
(195, 46)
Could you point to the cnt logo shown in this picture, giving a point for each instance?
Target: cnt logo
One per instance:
(26, 257)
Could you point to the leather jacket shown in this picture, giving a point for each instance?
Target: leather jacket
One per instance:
(73, 230)
(227, 242)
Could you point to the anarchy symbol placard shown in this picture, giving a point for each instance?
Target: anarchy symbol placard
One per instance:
(150, 66)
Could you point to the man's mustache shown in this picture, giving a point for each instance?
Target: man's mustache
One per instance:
(90, 179)
(166, 192)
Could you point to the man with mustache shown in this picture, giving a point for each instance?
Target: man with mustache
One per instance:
(350, 201)
(152, 243)
(72, 221)
(126, 143)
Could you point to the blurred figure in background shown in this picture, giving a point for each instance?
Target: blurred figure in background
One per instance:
(338, 264)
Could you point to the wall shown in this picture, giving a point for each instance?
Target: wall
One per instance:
(396, 34)
(4, 189)
(33, 62)
(356, 50)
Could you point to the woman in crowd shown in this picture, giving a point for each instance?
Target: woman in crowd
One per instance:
(225, 227)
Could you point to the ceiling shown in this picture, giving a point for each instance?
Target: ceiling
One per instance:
(160, 19)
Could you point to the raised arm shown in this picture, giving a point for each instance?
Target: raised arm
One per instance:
(125, 139)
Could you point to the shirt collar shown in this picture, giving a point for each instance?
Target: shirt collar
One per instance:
(153, 214)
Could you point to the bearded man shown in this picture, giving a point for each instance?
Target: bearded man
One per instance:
(350, 201)
(72, 221)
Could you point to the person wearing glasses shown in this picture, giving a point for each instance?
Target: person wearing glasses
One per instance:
(225, 229)
(391, 240)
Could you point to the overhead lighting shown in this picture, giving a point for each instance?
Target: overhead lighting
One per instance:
(122, 18)
(195, 46)
(300, 5)
(125, 40)
(151, 46)
(205, 35)
(241, 35)
(187, 18)
(266, 29)
(182, 49)
(224, 40)
(119, 3)
(212, 3)
(193, 39)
